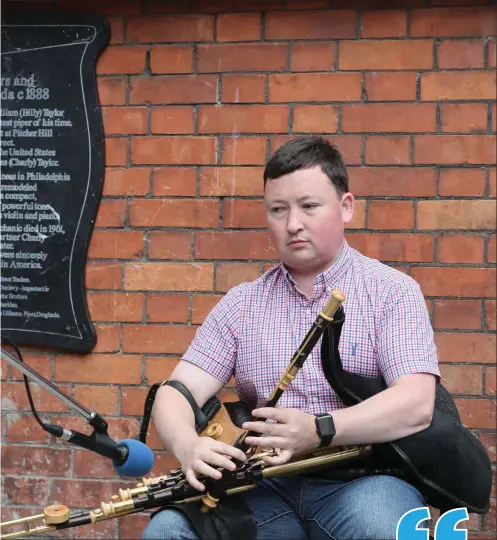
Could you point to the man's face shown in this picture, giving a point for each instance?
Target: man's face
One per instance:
(306, 219)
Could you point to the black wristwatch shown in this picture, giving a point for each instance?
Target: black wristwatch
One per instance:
(325, 428)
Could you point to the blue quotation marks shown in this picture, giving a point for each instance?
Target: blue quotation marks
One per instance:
(411, 526)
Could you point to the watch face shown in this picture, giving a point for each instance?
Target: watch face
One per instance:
(326, 426)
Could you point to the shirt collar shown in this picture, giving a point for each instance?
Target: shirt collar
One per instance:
(326, 280)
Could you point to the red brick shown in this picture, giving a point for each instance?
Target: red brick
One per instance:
(315, 87)
(32, 491)
(390, 215)
(462, 182)
(202, 305)
(240, 214)
(463, 282)
(73, 492)
(115, 307)
(98, 368)
(15, 398)
(172, 120)
(241, 57)
(159, 368)
(379, 24)
(174, 213)
(229, 275)
(116, 30)
(359, 218)
(116, 245)
(121, 60)
(157, 338)
(390, 86)
(232, 181)
(111, 90)
(167, 308)
(457, 314)
(491, 249)
(490, 381)
(42, 363)
(238, 27)
(459, 214)
(103, 275)
(35, 460)
(391, 117)
(453, 22)
(394, 247)
(108, 338)
(100, 398)
(491, 182)
(130, 181)
(309, 56)
(116, 151)
(463, 117)
(243, 119)
(109, 7)
(92, 468)
(306, 4)
(173, 181)
(124, 120)
(385, 54)
(111, 213)
(171, 59)
(173, 150)
(490, 314)
(458, 85)
(462, 380)
(170, 89)
(23, 429)
(330, 24)
(491, 53)
(315, 119)
(243, 89)
(460, 248)
(243, 150)
(168, 276)
(460, 53)
(131, 527)
(170, 29)
(132, 400)
(387, 150)
(169, 245)
(215, 6)
(350, 146)
(468, 347)
(476, 413)
(490, 442)
(392, 181)
(454, 149)
(233, 245)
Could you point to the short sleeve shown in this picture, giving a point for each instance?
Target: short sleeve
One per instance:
(405, 336)
(214, 347)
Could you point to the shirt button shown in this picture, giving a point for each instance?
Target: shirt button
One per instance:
(308, 311)
(315, 399)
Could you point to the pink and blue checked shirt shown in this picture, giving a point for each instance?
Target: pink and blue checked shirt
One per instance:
(254, 330)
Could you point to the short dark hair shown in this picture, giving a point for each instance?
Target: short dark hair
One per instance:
(307, 152)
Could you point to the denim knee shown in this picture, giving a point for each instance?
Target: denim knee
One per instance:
(169, 525)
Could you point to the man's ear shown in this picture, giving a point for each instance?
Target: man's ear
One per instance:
(348, 205)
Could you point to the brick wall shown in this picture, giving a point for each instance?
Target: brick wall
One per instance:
(193, 104)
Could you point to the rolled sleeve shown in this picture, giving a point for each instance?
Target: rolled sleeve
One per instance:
(214, 347)
(406, 338)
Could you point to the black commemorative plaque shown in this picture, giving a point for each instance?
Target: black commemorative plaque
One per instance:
(52, 167)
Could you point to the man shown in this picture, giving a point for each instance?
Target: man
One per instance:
(253, 332)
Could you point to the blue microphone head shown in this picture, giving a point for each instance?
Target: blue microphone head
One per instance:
(140, 459)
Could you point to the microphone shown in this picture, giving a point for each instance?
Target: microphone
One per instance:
(130, 457)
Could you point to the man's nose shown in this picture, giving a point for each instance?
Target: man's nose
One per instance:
(294, 222)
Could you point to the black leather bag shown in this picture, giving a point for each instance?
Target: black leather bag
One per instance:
(448, 465)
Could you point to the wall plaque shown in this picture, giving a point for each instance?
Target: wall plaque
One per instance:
(52, 167)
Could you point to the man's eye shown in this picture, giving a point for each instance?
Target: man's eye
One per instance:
(277, 209)
(310, 205)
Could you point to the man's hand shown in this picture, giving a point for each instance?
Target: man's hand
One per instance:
(202, 455)
(293, 432)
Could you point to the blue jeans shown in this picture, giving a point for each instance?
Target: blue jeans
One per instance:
(303, 508)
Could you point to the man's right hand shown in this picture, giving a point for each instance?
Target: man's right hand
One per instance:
(202, 454)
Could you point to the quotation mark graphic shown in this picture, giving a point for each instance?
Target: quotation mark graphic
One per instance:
(445, 529)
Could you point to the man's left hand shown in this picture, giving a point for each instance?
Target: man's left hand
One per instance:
(292, 432)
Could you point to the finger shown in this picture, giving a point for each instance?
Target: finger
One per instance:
(219, 460)
(280, 459)
(271, 412)
(202, 467)
(264, 427)
(192, 480)
(235, 453)
(267, 442)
